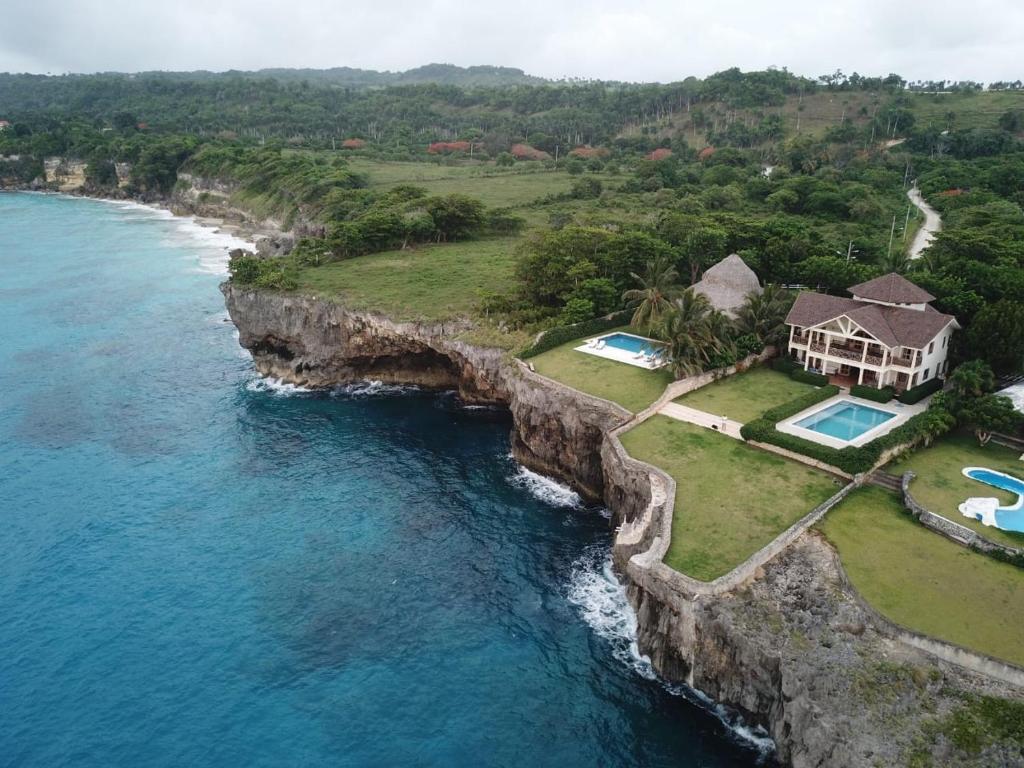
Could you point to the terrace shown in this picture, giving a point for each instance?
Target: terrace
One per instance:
(925, 582)
(731, 499)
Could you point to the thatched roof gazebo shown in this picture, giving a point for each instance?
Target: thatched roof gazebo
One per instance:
(727, 284)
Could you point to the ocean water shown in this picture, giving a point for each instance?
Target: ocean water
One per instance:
(199, 567)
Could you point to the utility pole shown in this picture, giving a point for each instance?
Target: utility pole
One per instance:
(849, 252)
(891, 233)
(906, 224)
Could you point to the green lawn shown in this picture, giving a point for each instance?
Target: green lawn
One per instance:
(926, 582)
(731, 499)
(745, 396)
(941, 487)
(433, 282)
(631, 387)
(496, 187)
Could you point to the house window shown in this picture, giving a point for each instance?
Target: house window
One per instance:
(944, 341)
(924, 376)
(931, 347)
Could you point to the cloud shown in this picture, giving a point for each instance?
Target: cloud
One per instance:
(638, 40)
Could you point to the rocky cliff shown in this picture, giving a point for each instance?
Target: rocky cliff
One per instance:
(794, 650)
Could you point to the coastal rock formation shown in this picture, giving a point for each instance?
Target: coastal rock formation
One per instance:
(319, 343)
(794, 651)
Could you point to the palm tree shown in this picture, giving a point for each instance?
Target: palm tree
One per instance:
(658, 286)
(691, 330)
(972, 379)
(764, 314)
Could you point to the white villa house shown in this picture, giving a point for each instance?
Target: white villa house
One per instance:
(888, 334)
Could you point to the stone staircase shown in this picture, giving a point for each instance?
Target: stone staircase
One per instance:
(885, 480)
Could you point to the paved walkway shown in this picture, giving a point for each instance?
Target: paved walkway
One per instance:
(701, 419)
(932, 224)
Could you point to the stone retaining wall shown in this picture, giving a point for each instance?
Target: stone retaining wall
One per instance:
(961, 534)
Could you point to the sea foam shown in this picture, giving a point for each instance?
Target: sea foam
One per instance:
(544, 488)
(597, 592)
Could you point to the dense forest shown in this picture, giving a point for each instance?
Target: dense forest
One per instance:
(804, 178)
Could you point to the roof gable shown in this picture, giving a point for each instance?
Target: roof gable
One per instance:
(892, 289)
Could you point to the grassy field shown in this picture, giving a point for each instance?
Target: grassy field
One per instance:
(731, 499)
(496, 187)
(924, 581)
(941, 487)
(631, 387)
(746, 395)
(433, 282)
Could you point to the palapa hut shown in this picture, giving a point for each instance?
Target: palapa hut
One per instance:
(727, 284)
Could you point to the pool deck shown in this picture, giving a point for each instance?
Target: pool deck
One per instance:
(900, 411)
(620, 355)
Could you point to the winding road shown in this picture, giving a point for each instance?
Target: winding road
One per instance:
(932, 224)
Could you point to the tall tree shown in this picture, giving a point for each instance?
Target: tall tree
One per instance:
(764, 314)
(653, 298)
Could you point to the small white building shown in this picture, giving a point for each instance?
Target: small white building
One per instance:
(887, 335)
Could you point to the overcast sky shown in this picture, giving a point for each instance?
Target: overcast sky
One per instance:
(636, 40)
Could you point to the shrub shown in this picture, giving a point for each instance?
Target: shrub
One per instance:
(852, 459)
(807, 377)
(883, 395)
(793, 407)
(920, 392)
(785, 365)
(561, 334)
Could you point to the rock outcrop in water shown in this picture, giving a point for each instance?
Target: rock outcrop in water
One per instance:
(794, 651)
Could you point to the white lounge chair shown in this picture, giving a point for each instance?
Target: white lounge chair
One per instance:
(600, 344)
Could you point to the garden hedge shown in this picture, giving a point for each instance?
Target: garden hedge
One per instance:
(794, 406)
(852, 459)
(559, 335)
(807, 377)
(883, 395)
(920, 392)
(785, 365)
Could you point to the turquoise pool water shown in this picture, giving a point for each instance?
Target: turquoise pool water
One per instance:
(632, 344)
(1007, 518)
(845, 420)
(200, 568)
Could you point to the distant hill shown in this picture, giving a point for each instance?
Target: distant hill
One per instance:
(349, 77)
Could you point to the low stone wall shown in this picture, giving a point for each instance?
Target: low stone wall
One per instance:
(800, 458)
(940, 649)
(961, 534)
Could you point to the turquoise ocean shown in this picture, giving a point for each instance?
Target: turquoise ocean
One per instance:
(199, 567)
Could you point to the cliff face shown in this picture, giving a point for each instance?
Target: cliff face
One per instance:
(793, 651)
(320, 343)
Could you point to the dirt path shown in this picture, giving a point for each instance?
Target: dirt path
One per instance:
(932, 224)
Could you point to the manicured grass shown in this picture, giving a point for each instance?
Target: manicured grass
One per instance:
(731, 499)
(745, 396)
(432, 282)
(631, 387)
(941, 486)
(926, 582)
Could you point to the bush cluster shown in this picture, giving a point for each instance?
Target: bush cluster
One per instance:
(852, 459)
(793, 407)
(920, 392)
(276, 274)
(561, 334)
(883, 395)
(817, 379)
(785, 365)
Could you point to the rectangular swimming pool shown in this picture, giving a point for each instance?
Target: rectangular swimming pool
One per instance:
(845, 420)
(630, 343)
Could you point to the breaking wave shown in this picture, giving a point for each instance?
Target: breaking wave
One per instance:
(547, 490)
(372, 389)
(603, 605)
(275, 386)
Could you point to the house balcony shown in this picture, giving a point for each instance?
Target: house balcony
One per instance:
(903, 362)
(845, 352)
